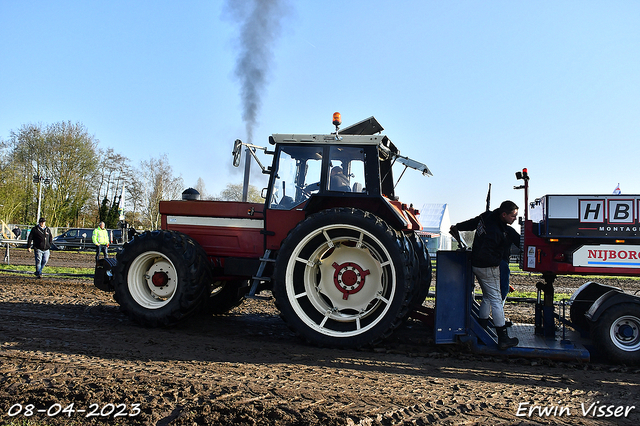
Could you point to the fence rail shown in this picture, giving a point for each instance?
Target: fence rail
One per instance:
(8, 243)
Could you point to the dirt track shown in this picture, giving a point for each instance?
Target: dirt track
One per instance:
(65, 342)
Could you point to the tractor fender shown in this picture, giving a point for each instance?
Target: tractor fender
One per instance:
(607, 300)
(378, 205)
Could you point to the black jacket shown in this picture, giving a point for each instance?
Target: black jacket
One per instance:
(490, 240)
(513, 238)
(41, 238)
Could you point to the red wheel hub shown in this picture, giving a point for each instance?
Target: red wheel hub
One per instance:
(160, 279)
(349, 278)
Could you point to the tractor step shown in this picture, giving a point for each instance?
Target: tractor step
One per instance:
(257, 297)
(257, 278)
(267, 279)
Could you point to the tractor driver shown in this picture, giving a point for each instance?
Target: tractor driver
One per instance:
(339, 182)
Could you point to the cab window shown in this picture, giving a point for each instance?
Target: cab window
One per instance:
(346, 171)
(297, 176)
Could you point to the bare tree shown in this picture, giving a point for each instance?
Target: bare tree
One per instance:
(115, 175)
(72, 166)
(158, 184)
(233, 192)
(200, 187)
(134, 204)
(11, 186)
(65, 154)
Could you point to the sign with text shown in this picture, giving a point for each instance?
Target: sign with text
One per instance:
(600, 216)
(608, 256)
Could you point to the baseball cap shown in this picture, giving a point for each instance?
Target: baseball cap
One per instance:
(41, 220)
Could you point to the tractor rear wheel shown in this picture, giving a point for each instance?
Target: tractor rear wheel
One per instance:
(161, 278)
(342, 278)
(617, 333)
(421, 289)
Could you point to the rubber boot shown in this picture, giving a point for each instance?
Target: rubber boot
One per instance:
(484, 322)
(504, 341)
(507, 323)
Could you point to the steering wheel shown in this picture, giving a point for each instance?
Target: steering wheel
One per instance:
(308, 190)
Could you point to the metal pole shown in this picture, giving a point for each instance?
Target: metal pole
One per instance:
(247, 172)
(526, 199)
(39, 196)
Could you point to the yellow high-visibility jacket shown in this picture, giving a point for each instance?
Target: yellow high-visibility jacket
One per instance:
(100, 237)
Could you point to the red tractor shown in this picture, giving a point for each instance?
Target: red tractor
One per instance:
(332, 242)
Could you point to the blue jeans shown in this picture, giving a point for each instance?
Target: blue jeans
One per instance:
(42, 257)
(103, 249)
(505, 273)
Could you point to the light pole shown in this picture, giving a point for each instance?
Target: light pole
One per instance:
(40, 180)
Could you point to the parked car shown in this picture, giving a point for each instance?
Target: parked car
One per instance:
(80, 239)
(74, 238)
(116, 236)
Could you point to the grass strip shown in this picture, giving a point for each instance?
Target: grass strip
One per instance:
(48, 269)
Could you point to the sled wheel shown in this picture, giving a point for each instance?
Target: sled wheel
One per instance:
(617, 333)
(225, 296)
(342, 279)
(421, 289)
(161, 278)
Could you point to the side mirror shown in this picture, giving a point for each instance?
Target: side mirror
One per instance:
(263, 193)
(237, 147)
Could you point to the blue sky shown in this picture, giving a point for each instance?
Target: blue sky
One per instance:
(474, 89)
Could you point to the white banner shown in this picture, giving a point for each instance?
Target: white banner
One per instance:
(608, 256)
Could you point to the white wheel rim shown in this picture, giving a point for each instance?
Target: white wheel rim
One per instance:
(147, 292)
(625, 333)
(349, 281)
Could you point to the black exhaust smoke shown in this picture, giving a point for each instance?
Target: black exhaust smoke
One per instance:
(259, 22)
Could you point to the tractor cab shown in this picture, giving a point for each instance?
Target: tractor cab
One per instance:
(308, 166)
(353, 162)
(352, 167)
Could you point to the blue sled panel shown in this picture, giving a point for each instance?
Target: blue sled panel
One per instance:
(454, 282)
(456, 318)
(532, 345)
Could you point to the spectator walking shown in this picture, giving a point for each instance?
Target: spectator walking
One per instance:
(100, 238)
(41, 237)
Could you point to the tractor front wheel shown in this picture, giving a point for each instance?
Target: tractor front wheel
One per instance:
(161, 278)
(343, 279)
